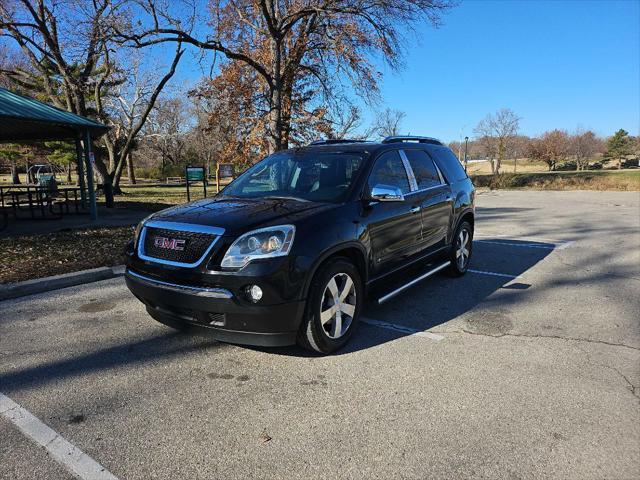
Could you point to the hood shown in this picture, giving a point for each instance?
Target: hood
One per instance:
(239, 215)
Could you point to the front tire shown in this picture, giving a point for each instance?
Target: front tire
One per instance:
(333, 308)
(461, 248)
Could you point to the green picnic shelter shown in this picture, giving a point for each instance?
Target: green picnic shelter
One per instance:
(26, 119)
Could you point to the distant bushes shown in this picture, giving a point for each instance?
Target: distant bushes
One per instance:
(561, 181)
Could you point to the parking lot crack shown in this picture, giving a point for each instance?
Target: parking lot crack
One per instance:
(558, 337)
(635, 391)
(632, 388)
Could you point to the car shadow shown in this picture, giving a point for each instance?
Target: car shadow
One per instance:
(426, 305)
(135, 353)
(440, 299)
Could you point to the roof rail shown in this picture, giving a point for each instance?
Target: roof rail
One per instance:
(333, 141)
(409, 138)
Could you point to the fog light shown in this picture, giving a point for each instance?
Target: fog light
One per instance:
(255, 293)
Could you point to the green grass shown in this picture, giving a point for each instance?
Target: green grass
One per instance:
(627, 180)
(157, 197)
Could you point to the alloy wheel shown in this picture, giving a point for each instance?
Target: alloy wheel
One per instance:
(338, 305)
(463, 248)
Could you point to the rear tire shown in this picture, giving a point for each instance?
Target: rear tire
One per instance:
(461, 247)
(333, 307)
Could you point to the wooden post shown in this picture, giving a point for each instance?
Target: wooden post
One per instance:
(186, 177)
(204, 180)
(218, 177)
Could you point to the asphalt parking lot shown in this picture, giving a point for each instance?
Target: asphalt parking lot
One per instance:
(527, 367)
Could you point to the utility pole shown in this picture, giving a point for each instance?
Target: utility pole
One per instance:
(466, 149)
(460, 143)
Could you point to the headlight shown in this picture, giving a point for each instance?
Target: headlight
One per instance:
(264, 243)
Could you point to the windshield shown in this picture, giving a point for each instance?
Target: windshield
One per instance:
(316, 177)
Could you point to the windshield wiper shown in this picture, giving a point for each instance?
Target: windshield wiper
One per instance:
(282, 197)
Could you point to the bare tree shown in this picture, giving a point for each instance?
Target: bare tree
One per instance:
(68, 48)
(495, 133)
(207, 146)
(388, 122)
(286, 42)
(584, 145)
(345, 123)
(166, 131)
(38, 27)
(126, 108)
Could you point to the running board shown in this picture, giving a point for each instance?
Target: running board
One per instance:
(401, 289)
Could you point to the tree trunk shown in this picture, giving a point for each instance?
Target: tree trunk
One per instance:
(15, 178)
(69, 173)
(275, 113)
(117, 174)
(131, 174)
(107, 182)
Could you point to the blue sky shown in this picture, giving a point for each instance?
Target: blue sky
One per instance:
(557, 64)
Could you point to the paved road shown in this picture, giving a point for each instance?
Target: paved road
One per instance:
(536, 376)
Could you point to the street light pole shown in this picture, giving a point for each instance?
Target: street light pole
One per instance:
(466, 149)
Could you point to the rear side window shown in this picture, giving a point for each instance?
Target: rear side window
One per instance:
(389, 170)
(449, 163)
(423, 169)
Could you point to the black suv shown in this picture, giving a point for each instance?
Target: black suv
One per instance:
(288, 251)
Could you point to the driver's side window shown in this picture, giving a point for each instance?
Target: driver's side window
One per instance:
(389, 170)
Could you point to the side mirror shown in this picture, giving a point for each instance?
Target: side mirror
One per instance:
(386, 193)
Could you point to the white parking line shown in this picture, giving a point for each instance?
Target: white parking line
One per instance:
(68, 455)
(493, 274)
(566, 245)
(522, 245)
(533, 242)
(402, 329)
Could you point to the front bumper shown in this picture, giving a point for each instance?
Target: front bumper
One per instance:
(217, 311)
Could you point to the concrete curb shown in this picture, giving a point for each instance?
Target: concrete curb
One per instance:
(47, 284)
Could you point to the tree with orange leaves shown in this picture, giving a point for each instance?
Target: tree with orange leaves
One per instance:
(292, 57)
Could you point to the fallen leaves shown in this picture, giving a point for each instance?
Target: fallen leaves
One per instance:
(264, 436)
(43, 255)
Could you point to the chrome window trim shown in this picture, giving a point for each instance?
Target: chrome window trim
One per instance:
(198, 291)
(178, 227)
(443, 181)
(425, 189)
(407, 166)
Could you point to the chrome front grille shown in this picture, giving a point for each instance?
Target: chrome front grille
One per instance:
(177, 244)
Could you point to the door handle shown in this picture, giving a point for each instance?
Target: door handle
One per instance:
(415, 209)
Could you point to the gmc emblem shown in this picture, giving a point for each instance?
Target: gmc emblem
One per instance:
(169, 243)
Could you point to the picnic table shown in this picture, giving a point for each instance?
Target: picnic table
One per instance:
(39, 201)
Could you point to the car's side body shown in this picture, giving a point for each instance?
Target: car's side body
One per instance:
(379, 238)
